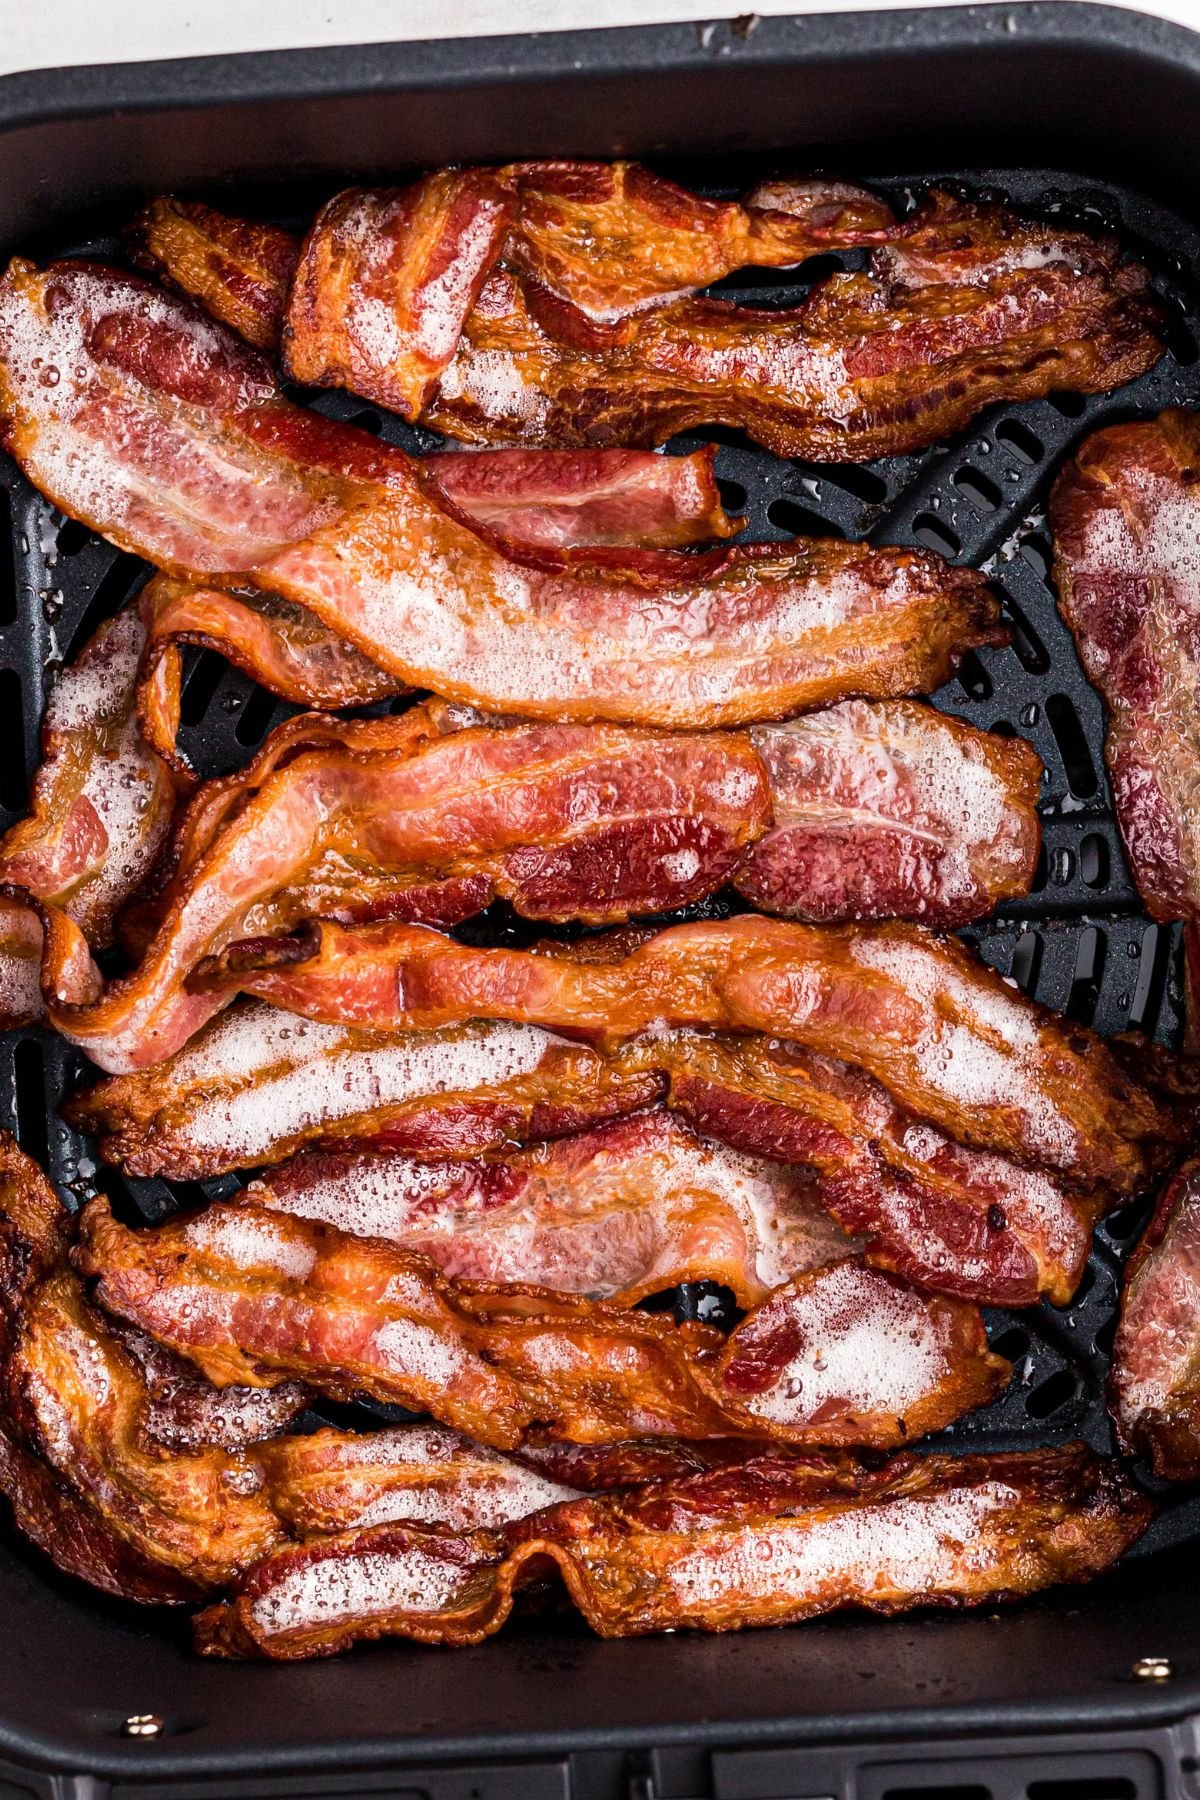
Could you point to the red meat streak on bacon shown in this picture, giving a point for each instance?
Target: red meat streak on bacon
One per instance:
(1126, 522)
(874, 810)
(1154, 1382)
(176, 443)
(769, 1542)
(841, 1354)
(945, 1034)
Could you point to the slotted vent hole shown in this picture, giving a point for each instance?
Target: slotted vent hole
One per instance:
(733, 494)
(936, 1791)
(123, 574)
(1180, 339)
(1051, 1395)
(1094, 862)
(973, 678)
(1027, 646)
(936, 535)
(1070, 406)
(72, 537)
(1019, 441)
(864, 484)
(12, 742)
(801, 521)
(1072, 743)
(255, 718)
(1152, 978)
(8, 566)
(983, 494)
(1013, 1343)
(29, 1076)
(1027, 961)
(1036, 552)
(200, 686)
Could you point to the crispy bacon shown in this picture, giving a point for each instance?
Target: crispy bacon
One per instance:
(258, 1084)
(588, 331)
(182, 1411)
(892, 810)
(100, 811)
(175, 442)
(81, 1434)
(948, 1038)
(1154, 1383)
(768, 1543)
(1126, 524)
(634, 1207)
(428, 818)
(563, 821)
(841, 1354)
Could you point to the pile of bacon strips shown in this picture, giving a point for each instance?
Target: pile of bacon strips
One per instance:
(537, 672)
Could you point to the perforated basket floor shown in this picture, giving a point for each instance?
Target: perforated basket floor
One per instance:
(1080, 943)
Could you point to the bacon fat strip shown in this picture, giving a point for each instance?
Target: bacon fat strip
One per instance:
(637, 1206)
(609, 237)
(101, 807)
(1126, 520)
(946, 1035)
(875, 810)
(564, 821)
(963, 303)
(1154, 1381)
(841, 1354)
(176, 443)
(257, 1083)
(768, 1543)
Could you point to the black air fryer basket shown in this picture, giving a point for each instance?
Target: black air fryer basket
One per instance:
(1071, 110)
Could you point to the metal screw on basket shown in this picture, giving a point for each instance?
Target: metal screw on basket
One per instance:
(1153, 1668)
(142, 1725)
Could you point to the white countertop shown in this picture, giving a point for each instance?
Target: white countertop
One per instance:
(51, 33)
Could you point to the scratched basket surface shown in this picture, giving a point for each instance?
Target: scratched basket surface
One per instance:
(1080, 943)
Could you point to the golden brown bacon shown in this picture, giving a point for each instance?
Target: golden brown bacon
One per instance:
(884, 810)
(1126, 523)
(81, 1436)
(258, 1083)
(100, 810)
(587, 331)
(1154, 1384)
(948, 1038)
(175, 442)
(768, 1543)
(634, 1207)
(841, 1354)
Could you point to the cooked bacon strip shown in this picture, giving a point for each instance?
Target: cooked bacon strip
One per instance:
(80, 1455)
(772, 1542)
(892, 810)
(100, 811)
(609, 237)
(943, 1032)
(182, 1411)
(1126, 522)
(963, 304)
(634, 1207)
(564, 821)
(428, 818)
(842, 1354)
(327, 1481)
(1154, 1383)
(176, 443)
(258, 1084)
(239, 269)
(984, 308)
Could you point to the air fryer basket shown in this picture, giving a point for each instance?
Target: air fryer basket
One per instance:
(73, 1669)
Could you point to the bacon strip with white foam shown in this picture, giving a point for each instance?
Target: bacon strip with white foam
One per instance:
(429, 818)
(627, 1210)
(1154, 1382)
(840, 1355)
(770, 1542)
(947, 1036)
(1126, 522)
(175, 442)
(101, 807)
